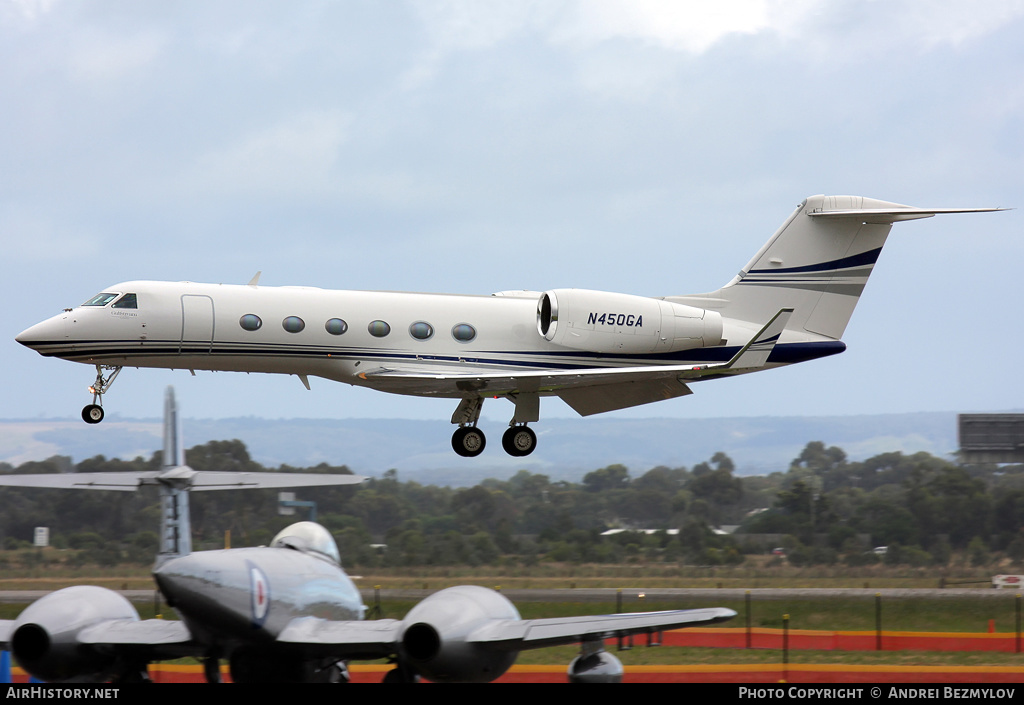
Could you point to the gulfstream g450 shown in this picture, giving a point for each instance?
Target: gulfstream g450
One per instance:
(596, 350)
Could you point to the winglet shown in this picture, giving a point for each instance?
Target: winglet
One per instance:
(752, 355)
(254, 282)
(756, 352)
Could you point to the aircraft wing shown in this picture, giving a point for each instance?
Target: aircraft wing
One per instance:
(592, 390)
(517, 635)
(157, 638)
(150, 638)
(366, 639)
(379, 638)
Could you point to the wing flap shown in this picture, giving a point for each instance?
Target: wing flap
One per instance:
(589, 400)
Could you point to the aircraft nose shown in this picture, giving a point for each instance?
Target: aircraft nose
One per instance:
(49, 331)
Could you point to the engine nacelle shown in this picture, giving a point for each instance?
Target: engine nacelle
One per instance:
(433, 641)
(595, 666)
(605, 322)
(44, 640)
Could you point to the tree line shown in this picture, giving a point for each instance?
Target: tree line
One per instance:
(824, 508)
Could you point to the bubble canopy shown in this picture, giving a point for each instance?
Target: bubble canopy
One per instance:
(309, 537)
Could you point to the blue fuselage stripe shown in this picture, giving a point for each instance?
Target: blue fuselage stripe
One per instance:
(783, 353)
(864, 258)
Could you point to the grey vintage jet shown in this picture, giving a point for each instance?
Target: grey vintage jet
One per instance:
(286, 612)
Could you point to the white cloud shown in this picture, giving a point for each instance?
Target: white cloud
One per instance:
(954, 22)
(295, 156)
(31, 236)
(100, 56)
(691, 27)
(30, 10)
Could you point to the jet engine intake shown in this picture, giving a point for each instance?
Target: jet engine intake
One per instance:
(606, 322)
(435, 644)
(45, 643)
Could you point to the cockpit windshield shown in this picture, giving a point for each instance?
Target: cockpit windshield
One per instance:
(100, 299)
(127, 301)
(308, 536)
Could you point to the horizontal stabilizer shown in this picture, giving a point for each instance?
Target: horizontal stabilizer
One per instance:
(892, 215)
(181, 477)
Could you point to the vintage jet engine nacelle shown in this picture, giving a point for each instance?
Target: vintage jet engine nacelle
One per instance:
(44, 640)
(433, 641)
(595, 666)
(605, 322)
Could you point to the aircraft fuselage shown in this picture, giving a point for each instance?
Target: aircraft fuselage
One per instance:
(336, 334)
(249, 595)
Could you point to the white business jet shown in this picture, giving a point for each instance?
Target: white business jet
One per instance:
(598, 351)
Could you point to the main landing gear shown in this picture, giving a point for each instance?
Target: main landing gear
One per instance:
(519, 440)
(468, 441)
(93, 413)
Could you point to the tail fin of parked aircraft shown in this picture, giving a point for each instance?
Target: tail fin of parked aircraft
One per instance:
(175, 480)
(817, 263)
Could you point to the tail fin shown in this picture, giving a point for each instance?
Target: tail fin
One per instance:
(174, 481)
(174, 451)
(817, 263)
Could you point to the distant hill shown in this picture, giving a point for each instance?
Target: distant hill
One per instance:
(567, 448)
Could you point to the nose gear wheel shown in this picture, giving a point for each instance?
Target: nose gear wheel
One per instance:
(93, 413)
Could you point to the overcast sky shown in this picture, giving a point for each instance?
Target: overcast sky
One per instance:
(644, 147)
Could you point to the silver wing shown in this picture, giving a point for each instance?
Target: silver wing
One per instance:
(380, 638)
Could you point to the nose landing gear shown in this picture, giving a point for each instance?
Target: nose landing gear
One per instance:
(93, 413)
